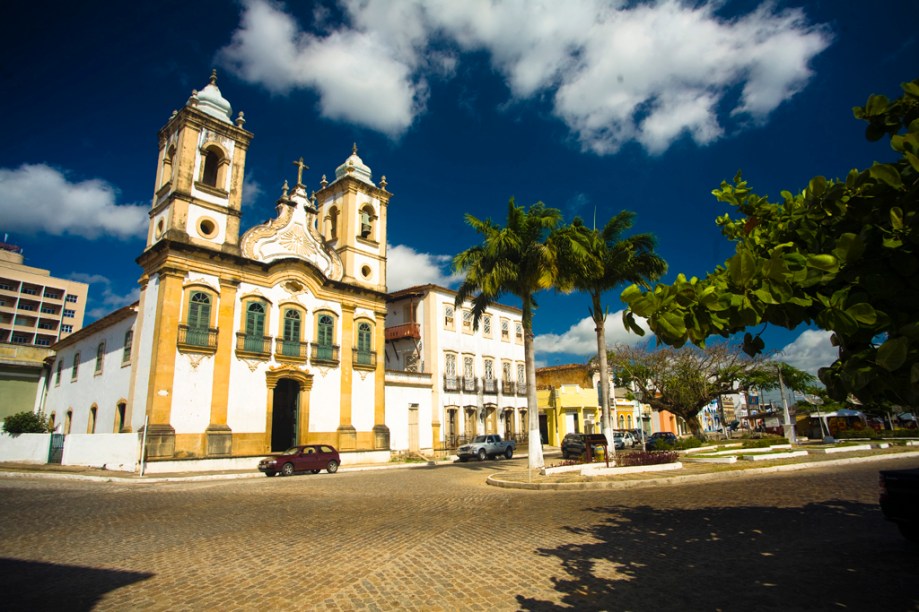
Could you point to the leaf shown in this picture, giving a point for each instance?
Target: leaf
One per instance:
(672, 325)
(863, 313)
(824, 262)
(849, 247)
(892, 354)
(886, 173)
(896, 218)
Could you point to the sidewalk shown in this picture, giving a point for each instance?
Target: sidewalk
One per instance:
(520, 479)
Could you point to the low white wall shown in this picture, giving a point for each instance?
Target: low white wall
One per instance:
(112, 451)
(25, 448)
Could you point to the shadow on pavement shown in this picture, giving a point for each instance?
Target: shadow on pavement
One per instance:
(33, 585)
(740, 558)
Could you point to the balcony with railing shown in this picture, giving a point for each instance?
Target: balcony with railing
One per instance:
(508, 387)
(451, 383)
(490, 386)
(405, 330)
(197, 339)
(469, 384)
(363, 360)
(521, 387)
(291, 350)
(324, 354)
(258, 347)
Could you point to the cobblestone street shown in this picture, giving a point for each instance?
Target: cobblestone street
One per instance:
(439, 538)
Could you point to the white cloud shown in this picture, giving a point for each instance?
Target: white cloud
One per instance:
(102, 296)
(252, 191)
(406, 267)
(36, 199)
(615, 71)
(810, 351)
(581, 339)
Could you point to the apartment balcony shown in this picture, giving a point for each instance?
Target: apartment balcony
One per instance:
(490, 386)
(469, 384)
(508, 387)
(521, 388)
(291, 350)
(405, 330)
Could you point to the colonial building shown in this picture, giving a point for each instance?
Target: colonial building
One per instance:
(239, 344)
(478, 376)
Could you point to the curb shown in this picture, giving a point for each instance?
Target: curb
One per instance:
(495, 479)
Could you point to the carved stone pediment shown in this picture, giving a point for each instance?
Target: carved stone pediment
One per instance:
(292, 233)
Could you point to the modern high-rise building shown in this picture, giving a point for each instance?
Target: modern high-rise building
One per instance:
(36, 309)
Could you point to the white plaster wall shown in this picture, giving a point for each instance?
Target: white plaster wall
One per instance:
(143, 355)
(191, 394)
(25, 448)
(363, 394)
(248, 397)
(403, 390)
(104, 390)
(112, 451)
(325, 414)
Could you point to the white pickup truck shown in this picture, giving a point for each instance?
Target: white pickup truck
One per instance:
(490, 445)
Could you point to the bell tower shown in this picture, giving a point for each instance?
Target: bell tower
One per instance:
(202, 157)
(352, 220)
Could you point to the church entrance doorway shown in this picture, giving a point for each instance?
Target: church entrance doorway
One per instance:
(285, 422)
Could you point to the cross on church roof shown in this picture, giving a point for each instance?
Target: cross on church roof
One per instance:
(300, 167)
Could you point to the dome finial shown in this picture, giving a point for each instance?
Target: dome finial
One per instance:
(354, 149)
(213, 79)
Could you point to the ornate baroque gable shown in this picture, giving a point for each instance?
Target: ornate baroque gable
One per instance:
(292, 234)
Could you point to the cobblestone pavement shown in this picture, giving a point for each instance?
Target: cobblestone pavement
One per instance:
(439, 538)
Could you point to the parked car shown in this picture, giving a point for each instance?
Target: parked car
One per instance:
(490, 445)
(661, 440)
(628, 438)
(899, 500)
(306, 458)
(575, 444)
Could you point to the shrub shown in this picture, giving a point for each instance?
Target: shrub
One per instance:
(690, 442)
(26, 422)
(646, 458)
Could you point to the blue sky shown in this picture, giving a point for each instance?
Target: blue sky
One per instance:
(588, 106)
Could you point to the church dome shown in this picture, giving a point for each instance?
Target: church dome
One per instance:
(210, 101)
(354, 166)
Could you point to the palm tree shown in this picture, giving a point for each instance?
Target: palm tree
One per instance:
(617, 260)
(521, 259)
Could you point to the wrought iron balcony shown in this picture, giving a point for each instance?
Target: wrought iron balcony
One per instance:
(253, 346)
(290, 350)
(451, 383)
(490, 385)
(201, 339)
(326, 354)
(469, 384)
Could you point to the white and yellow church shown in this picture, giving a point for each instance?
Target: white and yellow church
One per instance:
(239, 344)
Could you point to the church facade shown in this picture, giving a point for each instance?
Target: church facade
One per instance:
(240, 344)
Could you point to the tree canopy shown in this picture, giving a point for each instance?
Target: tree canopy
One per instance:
(841, 254)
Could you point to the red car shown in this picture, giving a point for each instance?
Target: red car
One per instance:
(308, 458)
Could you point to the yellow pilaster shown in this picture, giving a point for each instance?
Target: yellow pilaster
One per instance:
(346, 356)
(379, 407)
(223, 357)
(165, 338)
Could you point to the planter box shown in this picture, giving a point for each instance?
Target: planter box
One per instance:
(840, 449)
(774, 456)
(602, 470)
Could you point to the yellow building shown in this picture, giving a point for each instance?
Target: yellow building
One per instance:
(241, 344)
(568, 408)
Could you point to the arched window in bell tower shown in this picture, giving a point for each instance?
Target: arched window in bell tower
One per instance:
(367, 217)
(167, 165)
(211, 167)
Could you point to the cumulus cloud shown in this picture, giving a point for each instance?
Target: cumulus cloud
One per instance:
(581, 339)
(615, 72)
(252, 191)
(36, 198)
(102, 296)
(810, 351)
(406, 267)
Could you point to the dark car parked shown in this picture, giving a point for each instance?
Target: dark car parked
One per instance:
(660, 440)
(308, 458)
(574, 444)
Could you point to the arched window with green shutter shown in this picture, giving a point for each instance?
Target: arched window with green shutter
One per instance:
(255, 327)
(364, 350)
(290, 345)
(325, 334)
(199, 318)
